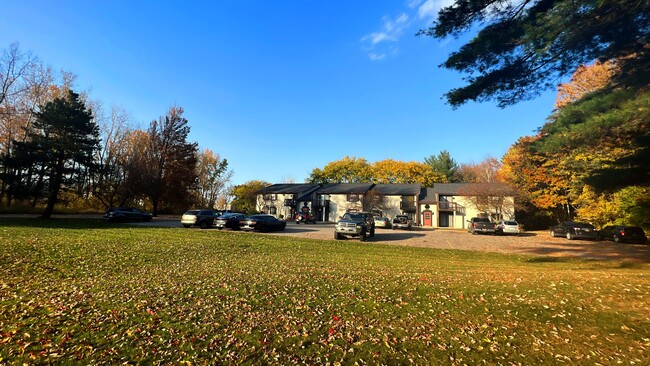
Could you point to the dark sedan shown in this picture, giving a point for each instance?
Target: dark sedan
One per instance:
(624, 234)
(262, 223)
(575, 230)
(123, 214)
(229, 221)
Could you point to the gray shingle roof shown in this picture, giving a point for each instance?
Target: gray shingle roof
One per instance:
(397, 189)
(428, 195)
(289, 188)
(345, 188)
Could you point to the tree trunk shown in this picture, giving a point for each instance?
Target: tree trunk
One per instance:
(154, 203)
(55, 186)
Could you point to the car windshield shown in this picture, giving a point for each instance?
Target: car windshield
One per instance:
(513, 223)
(192, 212)
(349, 216)
(582, 225)
(229, 215)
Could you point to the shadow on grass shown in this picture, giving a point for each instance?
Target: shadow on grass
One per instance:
(629, 255)
(291, 229)
(66, 223)
(550, 259)
(397, 235)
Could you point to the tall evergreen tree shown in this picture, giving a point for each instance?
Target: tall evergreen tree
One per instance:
(523, 47)
(443, 164)
(58, 152)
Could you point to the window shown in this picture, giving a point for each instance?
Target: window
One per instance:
(353, 197)
(270, 197)
(273, 210)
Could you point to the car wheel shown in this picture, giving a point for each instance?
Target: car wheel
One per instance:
(372, 232)
(569, 236)
(337, 236)
(203, 224)
(363, 236)
(617, 239)
(186, 226)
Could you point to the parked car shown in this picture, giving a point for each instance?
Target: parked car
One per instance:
(262, 223)
(575, 230)
(402, 222)
(623, 234)
(201, 218)
(508, 227)
(481, 225)
(123, 214)
(229, 221)
(355, 224)
(381, 221)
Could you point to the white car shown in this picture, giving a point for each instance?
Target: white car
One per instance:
(508, 227)
(381, 221)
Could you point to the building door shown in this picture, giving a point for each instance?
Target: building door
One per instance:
(446, 219)
(428, 218)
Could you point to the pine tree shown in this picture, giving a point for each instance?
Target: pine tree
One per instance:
(59, 150)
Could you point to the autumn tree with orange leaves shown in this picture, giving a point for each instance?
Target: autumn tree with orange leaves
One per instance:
(595, 148)
(358, 170)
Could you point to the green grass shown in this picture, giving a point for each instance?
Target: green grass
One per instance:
(82, 291)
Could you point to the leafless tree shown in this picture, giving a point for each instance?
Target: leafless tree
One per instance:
(14, 67)
(495, 199)
(110, 183)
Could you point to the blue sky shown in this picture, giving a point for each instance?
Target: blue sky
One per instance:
(278, 88)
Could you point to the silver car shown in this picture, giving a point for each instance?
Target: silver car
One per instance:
(508, 227)
(201, 218)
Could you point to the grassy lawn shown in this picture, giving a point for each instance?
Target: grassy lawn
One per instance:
(88, 292)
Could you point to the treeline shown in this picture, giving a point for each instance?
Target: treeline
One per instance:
(591, 160)
(437, 168)
(60, 147)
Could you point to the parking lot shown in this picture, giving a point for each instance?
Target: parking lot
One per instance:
(535, 242)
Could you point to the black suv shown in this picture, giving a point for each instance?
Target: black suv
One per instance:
(361, 224)
(624, 234)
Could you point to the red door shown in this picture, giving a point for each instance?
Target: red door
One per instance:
(428, 218)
